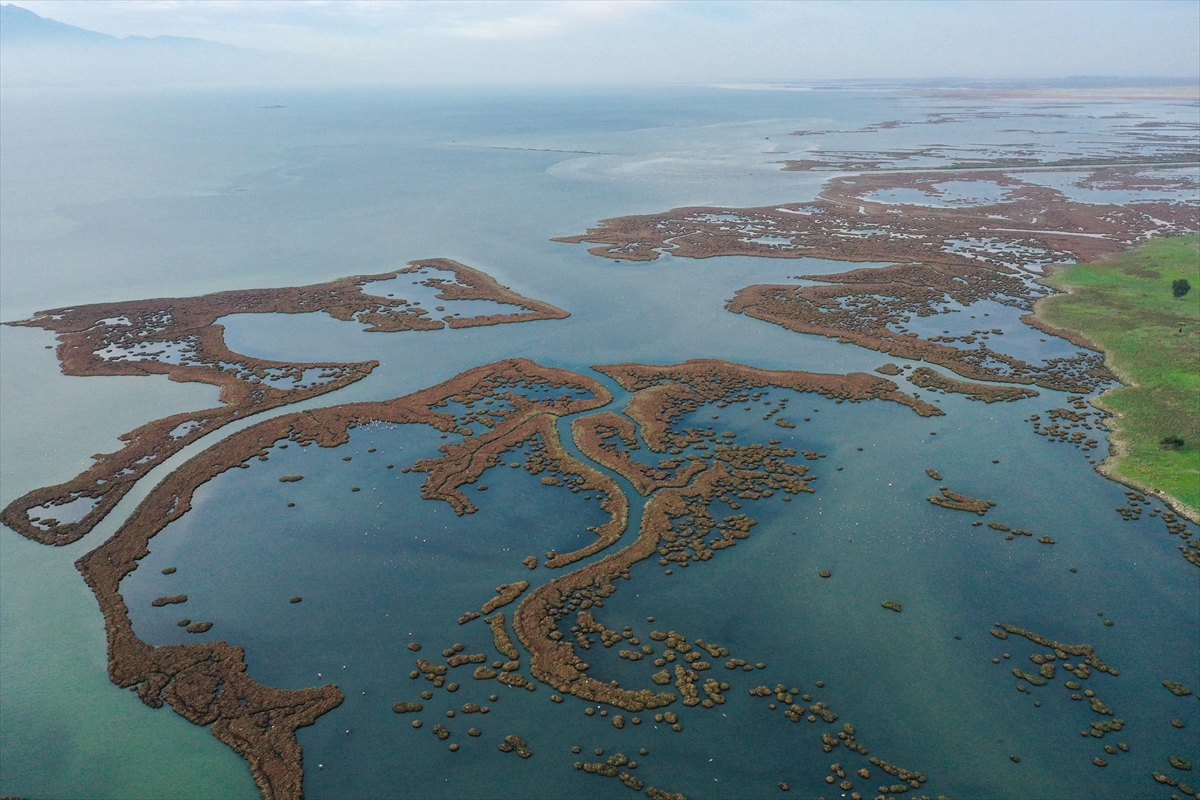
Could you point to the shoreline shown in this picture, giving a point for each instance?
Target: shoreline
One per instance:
(1118, 445)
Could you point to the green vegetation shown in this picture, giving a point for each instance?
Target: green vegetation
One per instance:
(1132, 307)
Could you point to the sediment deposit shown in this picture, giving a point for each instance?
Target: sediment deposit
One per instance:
(677, 527)
(472, 284)
(206, 683)
(842, 225)
(1078, 650)
(926, 378)
(529, 423)
(665, 393)
(938, 255)
(676, 522)
(180, 338)
(872, 315)
(500, 639)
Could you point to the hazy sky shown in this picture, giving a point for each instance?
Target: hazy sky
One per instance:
(637, 42)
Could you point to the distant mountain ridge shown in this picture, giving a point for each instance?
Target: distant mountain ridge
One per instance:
(39, 52)
(22, 27)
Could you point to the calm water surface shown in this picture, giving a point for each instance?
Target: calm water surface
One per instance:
(226, 194)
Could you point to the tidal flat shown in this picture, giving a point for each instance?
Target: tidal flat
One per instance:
(929, 690)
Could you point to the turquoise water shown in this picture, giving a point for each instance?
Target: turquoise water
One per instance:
(65, 730)
(225, 194)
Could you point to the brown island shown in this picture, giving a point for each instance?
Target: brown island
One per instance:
(207, 682)
(180, 338)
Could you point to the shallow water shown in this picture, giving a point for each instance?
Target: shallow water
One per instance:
(66, 731)
(361, 183)
(1016, 338)
(380, 567)
(418, 294)
(950, 194)
(1067, 183)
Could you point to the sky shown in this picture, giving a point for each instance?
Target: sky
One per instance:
(643, 42)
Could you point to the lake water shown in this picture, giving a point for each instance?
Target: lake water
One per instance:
(118, 196)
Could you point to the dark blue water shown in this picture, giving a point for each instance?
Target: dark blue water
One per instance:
(380, 567)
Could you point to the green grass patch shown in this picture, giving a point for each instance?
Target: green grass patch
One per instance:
(1152, 339)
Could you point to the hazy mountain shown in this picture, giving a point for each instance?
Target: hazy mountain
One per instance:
(37, 52)
(21, 27)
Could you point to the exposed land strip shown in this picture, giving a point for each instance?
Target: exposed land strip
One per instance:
(833, 226)
(1062, 165)
(179, 338)
(869, 315)
(463, 463)
(939, 256)
(676, 521)
(665, 393)
(472, 284)
(206, 683)
(600, 436)
(926, 378)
